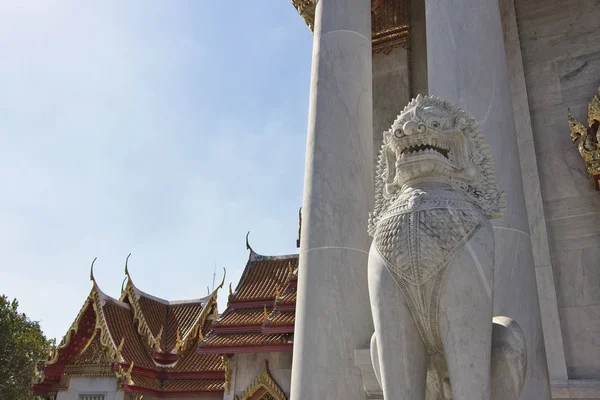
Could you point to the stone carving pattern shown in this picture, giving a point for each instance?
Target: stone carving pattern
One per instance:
(436, 186)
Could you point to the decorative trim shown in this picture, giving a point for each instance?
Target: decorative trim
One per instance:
(389, 23)
(227, 367)
(142, 326)
(589, 139)
(123, 376)
(195, 335)
(306, 9)
(264, 380)
(66, 340)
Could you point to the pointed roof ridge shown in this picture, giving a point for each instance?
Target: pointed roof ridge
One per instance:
(255, 258)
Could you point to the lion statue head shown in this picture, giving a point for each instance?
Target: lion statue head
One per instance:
(435, 141)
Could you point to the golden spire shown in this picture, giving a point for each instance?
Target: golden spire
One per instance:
(230, 290)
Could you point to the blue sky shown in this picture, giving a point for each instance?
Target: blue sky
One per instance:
(167, 129)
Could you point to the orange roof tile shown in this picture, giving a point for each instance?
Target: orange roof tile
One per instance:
(193, 385)
(119, 319)
(243, 339)
(199, 362)
(242, 316)
(145, 382)
(155, 313)
(263, 276)
(282, 317)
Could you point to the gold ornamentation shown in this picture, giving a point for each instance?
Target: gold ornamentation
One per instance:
(230, 290)
(124, 375)
(142, 326)
(227, 367)
(589, 139)
(195, 333)
(265, 382)
(277, 294)
(106, 340)
(94, 301)
(306, 9)
(154, 343)
(178, 342)
(389, 24)
(93, 353)
(265, 314)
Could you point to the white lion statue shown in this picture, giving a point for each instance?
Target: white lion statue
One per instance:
(431, 263)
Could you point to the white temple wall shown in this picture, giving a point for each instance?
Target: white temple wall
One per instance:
(91, 385)
(246, 367)
(560, 44)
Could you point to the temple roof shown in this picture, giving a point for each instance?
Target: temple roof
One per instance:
(260, 313)
(177, 348)
(138, 336)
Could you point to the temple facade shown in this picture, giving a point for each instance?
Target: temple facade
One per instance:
(528, 71)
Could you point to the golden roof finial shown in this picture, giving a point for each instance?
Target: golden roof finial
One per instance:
(92, 271)
(223, 281)
(230, 290)
(277, 293)
(248, 247)
(126, 269)
(207, 290)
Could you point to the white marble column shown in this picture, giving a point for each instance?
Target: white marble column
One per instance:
(333, 316)
(466, 65)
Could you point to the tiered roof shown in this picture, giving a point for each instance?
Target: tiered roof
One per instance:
(260, 313)
(177, 349)
(146, 342)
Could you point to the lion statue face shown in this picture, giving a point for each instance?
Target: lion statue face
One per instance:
(428, 144)
(435, 141)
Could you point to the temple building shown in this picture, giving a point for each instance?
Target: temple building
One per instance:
(140, 346)
(529, 72)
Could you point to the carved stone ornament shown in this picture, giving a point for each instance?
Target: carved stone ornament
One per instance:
(389, 22)
(589, 139)
(433, 257)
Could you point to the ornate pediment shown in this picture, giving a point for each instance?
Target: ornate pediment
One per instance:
(589, 139)
(264, 387)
